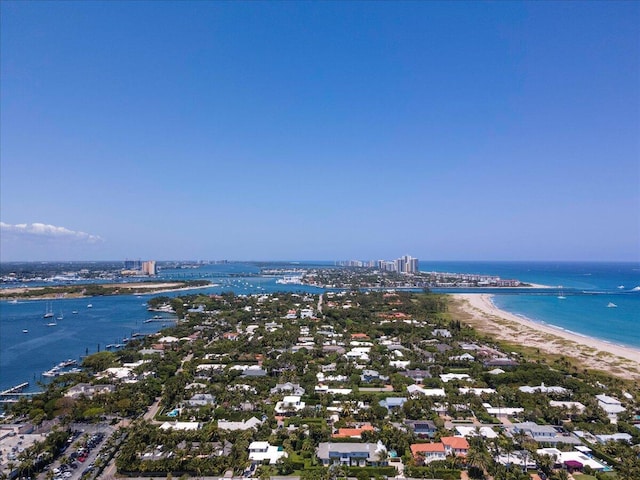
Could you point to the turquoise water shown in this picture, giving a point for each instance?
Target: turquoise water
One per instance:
(588, 288)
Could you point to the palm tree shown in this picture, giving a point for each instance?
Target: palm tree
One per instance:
(561, 474)
(479, 458)
(545, 463)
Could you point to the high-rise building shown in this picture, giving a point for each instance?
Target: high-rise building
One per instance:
(132, 264)
(412, 266)
(407, 264)
(149, 267)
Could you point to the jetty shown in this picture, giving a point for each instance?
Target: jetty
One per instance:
(16, 389)
(158, 318)
(13, 394)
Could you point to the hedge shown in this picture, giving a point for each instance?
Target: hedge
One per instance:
(426, 472)
(371, 471)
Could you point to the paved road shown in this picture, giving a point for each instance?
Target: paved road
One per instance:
(153, 410)
(184, 360)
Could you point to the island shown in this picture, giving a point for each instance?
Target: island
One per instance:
(99, 289)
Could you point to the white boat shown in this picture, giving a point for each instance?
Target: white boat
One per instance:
(48, 313)
(60, 317)
(14, 301)
(25, 331)
(75, 312)
(52, 324)
(561, 295)
(90, 306)
(611, 305)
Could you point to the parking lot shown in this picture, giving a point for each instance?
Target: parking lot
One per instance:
(79, 458)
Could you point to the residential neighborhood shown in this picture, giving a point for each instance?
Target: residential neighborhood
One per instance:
(347, 384)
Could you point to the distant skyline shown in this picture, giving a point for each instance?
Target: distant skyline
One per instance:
(319, 130)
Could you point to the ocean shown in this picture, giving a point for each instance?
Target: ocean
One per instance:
(588, 288)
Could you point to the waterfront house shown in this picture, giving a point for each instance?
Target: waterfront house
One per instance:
(500, 362)
(542, 388)
(89, 390)
(612, 406)
(441, 332)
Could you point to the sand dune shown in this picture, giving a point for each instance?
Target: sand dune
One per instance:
(479, 311)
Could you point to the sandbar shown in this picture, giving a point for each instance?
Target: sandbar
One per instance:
(478, 310)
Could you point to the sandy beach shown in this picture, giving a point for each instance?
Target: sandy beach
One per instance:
(479, 311)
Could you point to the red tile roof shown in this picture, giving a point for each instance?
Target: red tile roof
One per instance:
(418, 448)
(457, 443)
(352, 432)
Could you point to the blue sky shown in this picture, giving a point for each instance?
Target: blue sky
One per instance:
(320, 130)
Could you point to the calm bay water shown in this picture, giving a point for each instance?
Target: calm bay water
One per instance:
(588, 287)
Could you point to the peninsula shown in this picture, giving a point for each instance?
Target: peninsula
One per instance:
(391, 383)
(94, 289)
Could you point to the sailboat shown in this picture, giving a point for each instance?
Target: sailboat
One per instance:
(48, 312)
(561, 295)
(61, 316)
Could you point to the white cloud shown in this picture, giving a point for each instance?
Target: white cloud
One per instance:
(42, 230)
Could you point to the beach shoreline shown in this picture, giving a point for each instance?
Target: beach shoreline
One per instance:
(481, 313)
